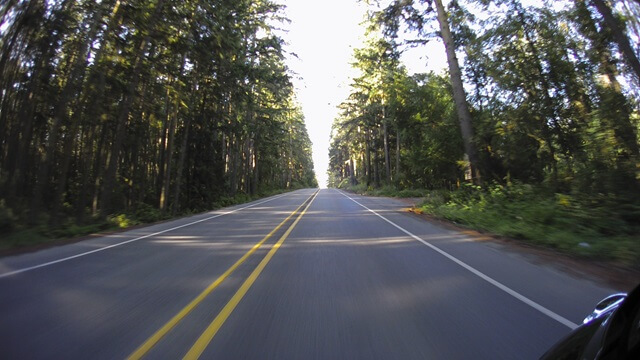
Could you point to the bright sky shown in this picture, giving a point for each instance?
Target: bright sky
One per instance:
(323, 34)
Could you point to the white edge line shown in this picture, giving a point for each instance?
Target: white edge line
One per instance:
(515, 294)
(19, 271)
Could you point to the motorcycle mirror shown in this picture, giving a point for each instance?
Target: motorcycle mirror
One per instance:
(605, 305)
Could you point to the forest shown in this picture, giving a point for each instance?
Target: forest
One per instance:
(124, 111)
(531, 133)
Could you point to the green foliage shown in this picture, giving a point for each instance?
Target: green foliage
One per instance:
(154, 109)
(599, 227)
(122, 221)
(550, 115)
(73, 230)
(387, 190)
(420, 120)
(146, 213)
(547, 103)
(23, 238)
(7, 218)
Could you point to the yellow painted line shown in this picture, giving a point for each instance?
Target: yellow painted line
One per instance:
(153, 340)
(201, 344)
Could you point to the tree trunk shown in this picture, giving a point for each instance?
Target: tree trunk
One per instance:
(617, 29)
(123, 115)
(162, 151)
(367, 152)
(256, 174)
(397, 154)
(352, 171)
(168, 151)
(183, 154)
(184, 148)
(86, 155)
(233, 168)
(4, 9)
(616, 103)
(376, 168)
(19, 144)
(33, 10)
(76, 76)
(387, 158)
(98, 166)
(462, 108)
(164, 193)
(547, 100)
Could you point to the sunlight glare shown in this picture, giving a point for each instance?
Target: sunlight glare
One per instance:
(323, 35)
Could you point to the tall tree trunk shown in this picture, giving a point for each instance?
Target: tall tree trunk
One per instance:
(86, 155)
(4, 9)
(168, 151)
(256, 174)
(164, 192)
(459, 96)
(123, 114)
(78, 69)
(64, 174)
(246, 166)
(616, 105)
(19, 145)
(93, 106)
(387, 158)
(25, 20)
(376, 163)
(162, 151)
(352, 171)
(175, 205)
(98, 171)
(549, 109)
(617, 29)
(397, 154)
(233, 168)
(367, 151)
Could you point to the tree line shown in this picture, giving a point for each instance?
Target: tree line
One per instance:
(109, 106)
(541, 94)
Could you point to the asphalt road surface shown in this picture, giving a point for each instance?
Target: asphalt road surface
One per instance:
(304, 275)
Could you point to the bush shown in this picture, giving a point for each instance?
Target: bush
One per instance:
(121, 221)
(7, 219)
(410, 193)
(584, 225)
(146, 213)
(23, 238)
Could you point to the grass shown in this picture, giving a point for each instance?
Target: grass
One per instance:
(592, 226)
(387, 190)
(16, 234)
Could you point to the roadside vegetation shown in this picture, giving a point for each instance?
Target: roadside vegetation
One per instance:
(114, 113)
(534, 135)
(594, 227)
(18, 235)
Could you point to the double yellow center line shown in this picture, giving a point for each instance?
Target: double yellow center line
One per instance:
(206, 337)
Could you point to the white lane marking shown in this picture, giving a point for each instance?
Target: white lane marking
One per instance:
(515, 294)
(15, 272)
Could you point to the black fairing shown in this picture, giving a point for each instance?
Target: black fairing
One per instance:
(574, 345)
(615, 335)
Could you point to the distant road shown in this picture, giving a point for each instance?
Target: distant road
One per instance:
(304, 275)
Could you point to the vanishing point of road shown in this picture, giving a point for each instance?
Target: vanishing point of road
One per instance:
(310, 274)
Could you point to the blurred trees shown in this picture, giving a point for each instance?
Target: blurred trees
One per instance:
(552, 92)
(109, 105)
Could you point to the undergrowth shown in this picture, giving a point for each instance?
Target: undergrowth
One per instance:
(17, 233)
(597, 226)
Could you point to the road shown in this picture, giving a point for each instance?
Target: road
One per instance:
(304, 275)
